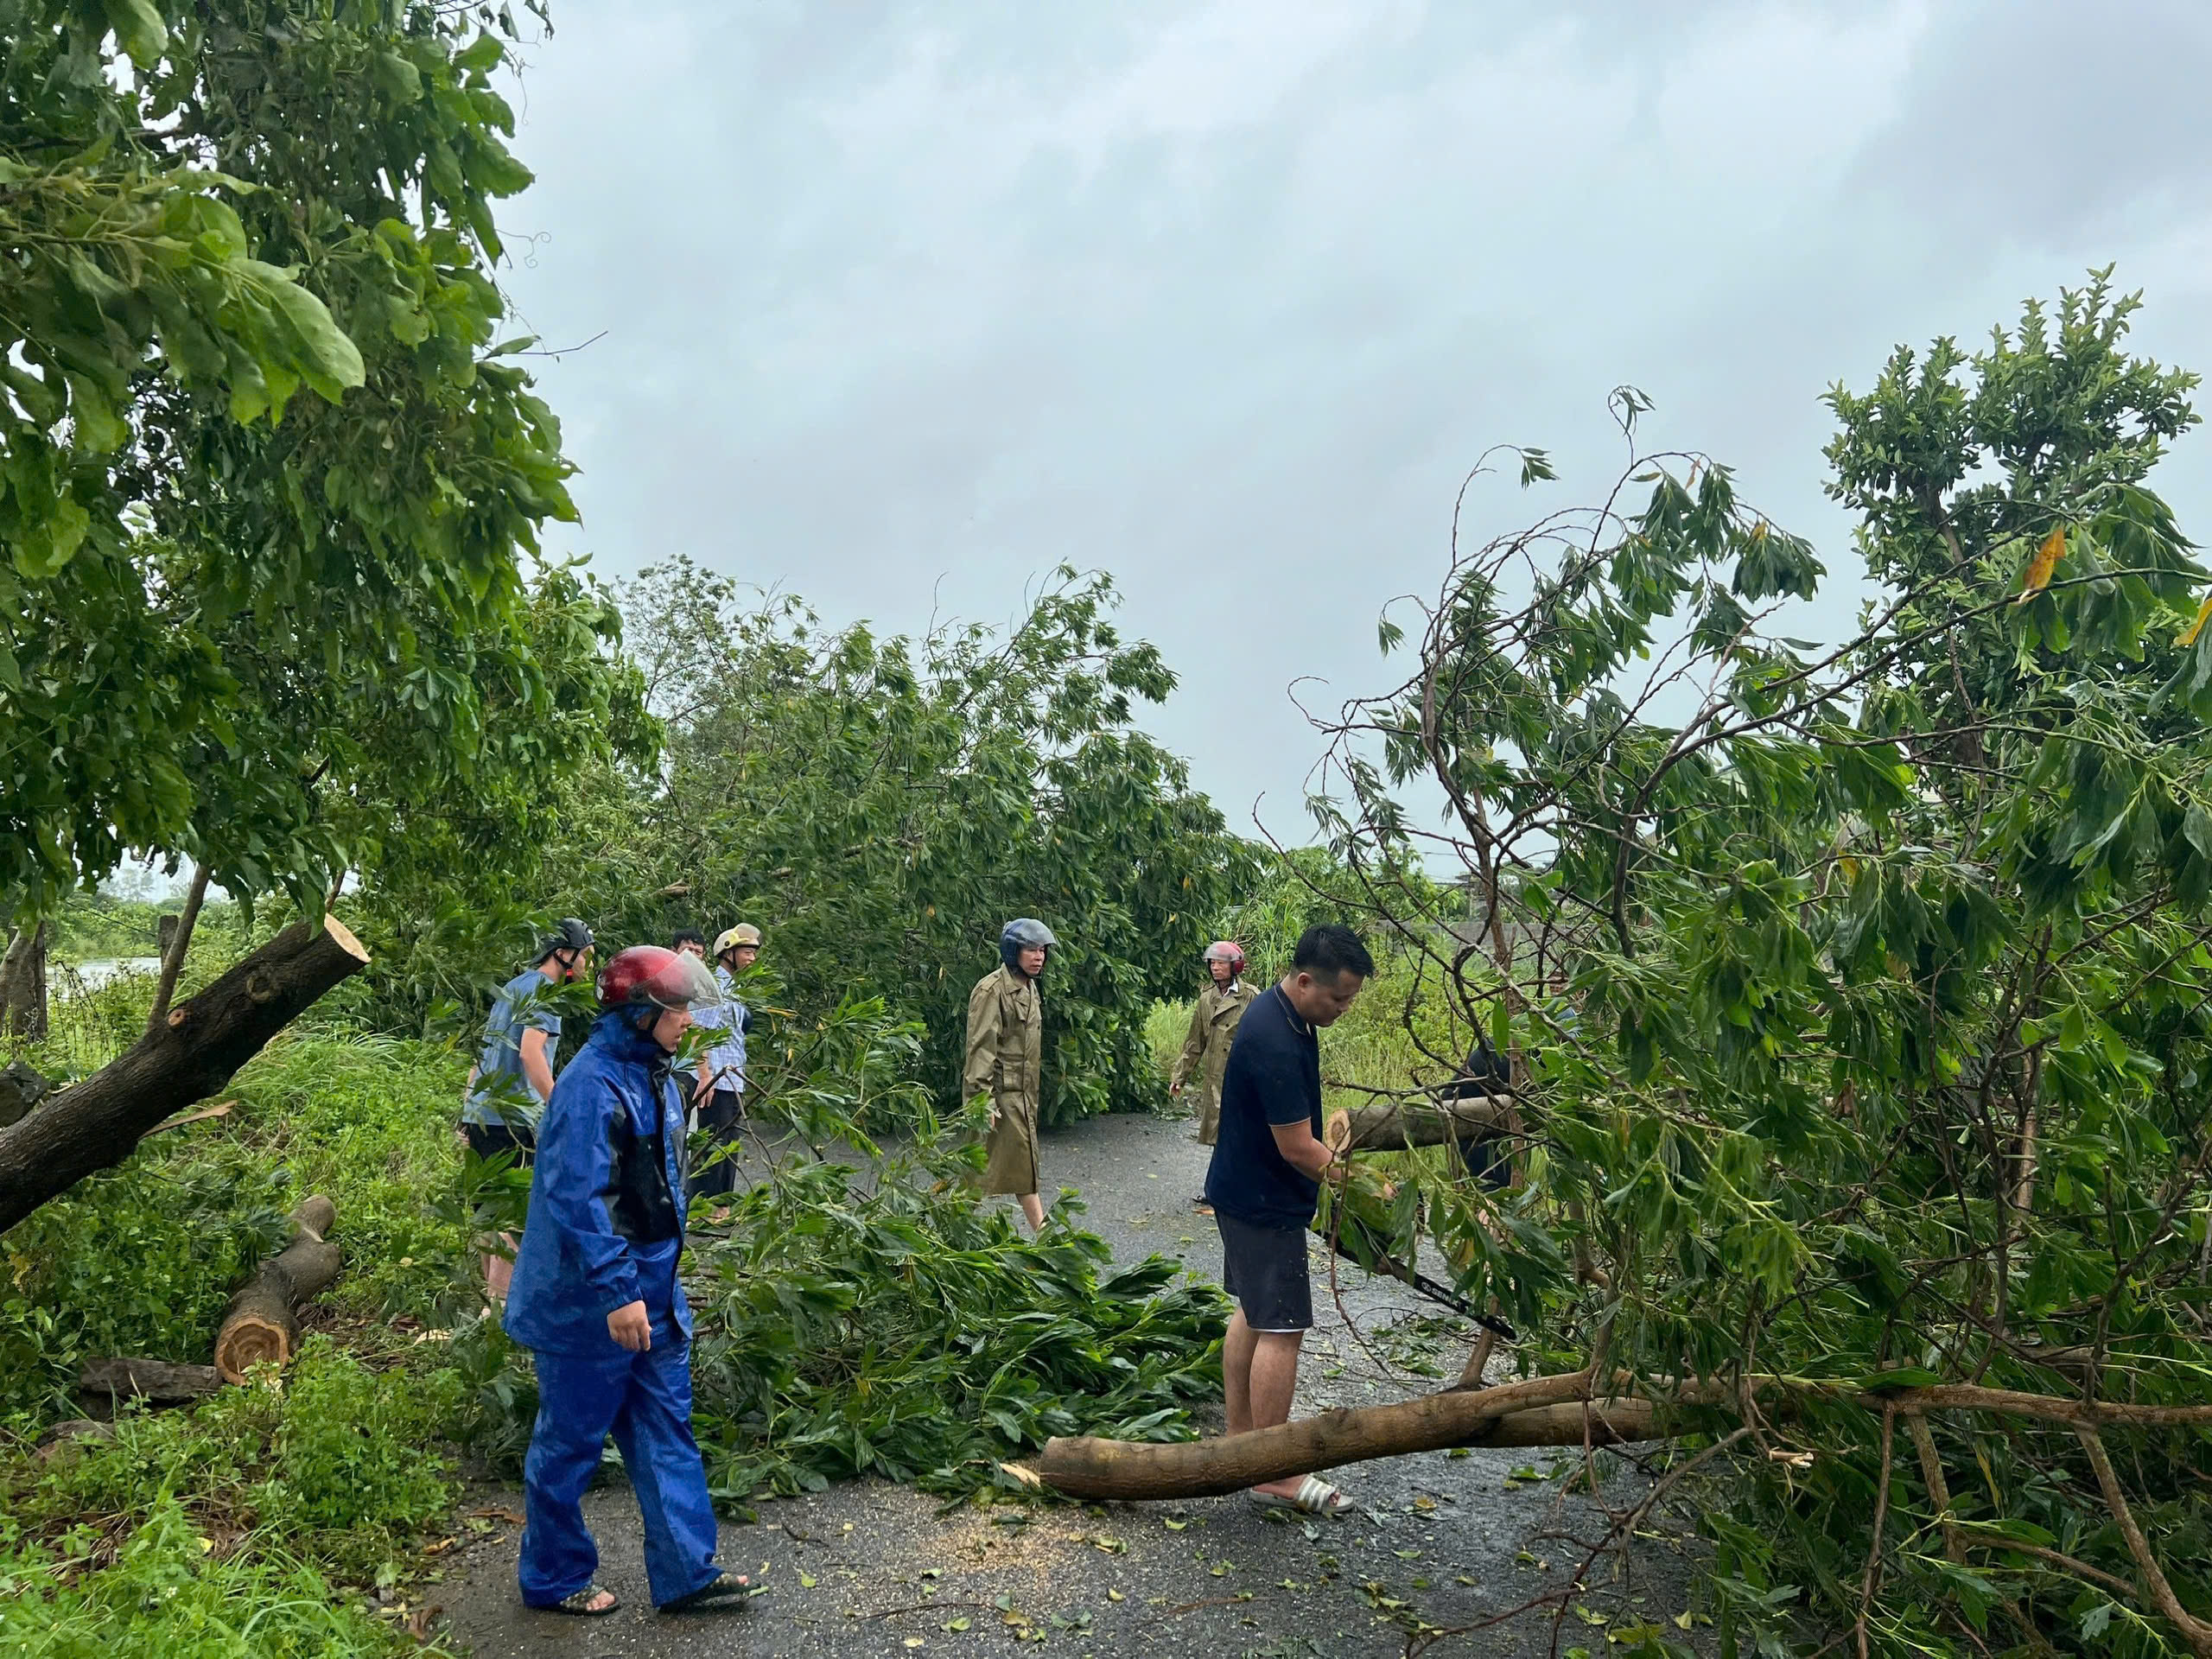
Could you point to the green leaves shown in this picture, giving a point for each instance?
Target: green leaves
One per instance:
(269, 630)
(138, 25)
(1885, 1055)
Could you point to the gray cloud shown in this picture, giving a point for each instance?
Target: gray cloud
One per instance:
(906, 303)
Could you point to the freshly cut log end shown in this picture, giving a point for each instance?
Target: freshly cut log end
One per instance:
(1394, 1127)
(251, 1339)
(261, 1326)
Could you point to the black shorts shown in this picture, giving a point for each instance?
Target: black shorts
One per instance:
(1264, 1268)
(489, 1139)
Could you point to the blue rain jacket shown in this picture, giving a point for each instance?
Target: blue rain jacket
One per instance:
(606, 1222)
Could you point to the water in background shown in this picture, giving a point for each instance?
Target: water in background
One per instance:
(90, 975)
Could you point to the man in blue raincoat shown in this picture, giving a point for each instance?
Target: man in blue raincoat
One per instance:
(595, 1298)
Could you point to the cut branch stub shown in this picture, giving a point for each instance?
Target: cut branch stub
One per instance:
(1394, 1126)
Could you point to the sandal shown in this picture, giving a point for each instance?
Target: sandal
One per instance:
(580, 1604)
(1315, 1497)
(723, 1586)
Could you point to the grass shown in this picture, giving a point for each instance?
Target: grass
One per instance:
(262, 1524)
(140, 1260)
(266, 1521)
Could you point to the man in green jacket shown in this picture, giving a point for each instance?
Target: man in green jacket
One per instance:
(1005, 1062)
(1213, 1023)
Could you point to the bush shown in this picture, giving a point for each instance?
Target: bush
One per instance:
(335, 1459)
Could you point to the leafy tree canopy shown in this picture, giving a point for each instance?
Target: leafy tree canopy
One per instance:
(1885, 1048)
(269, 479)
(880, 806)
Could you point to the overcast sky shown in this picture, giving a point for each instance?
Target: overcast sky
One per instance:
(901, 305)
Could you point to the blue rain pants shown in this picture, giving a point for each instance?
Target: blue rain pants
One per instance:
(645, 1402)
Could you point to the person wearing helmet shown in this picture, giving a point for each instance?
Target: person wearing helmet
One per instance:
(720, 1083)
(513, 1075)
(597, 1301)
(1213, 1023)
(1005, 1062)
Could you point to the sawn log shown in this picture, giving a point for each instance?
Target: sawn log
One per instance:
(108, 1382)
(1393, 1126)
(95, 1124)
(262, 1326)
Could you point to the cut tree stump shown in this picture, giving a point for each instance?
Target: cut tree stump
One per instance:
(95, 1124)
(1394, 1126)
(110, 1382)
(261, 1326)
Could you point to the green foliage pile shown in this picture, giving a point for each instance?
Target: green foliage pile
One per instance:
(1886, 1046)
(910, 1332)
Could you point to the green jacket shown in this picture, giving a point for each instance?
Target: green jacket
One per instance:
(1206, 1049)
(1005, 1041)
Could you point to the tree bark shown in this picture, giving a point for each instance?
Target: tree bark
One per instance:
(1394, 1126)
(262, 1326)
(22, 985)
(1540, 1411)
(175, 941)
(109, 1382)
(95, 1124)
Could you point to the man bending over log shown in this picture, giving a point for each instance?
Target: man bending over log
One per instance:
(1264, 1183)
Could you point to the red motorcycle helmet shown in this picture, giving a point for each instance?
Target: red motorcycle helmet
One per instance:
(645, 974)
(1226, 950)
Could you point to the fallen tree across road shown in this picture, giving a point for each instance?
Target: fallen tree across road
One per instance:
(1556, 1410)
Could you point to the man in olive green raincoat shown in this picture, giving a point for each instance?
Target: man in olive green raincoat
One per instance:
(1213, 1023)
(1004, 1063)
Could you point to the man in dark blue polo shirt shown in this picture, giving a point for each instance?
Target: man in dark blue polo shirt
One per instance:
(1263, 1183)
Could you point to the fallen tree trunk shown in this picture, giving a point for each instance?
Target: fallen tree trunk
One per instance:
(95, 1124)
(262, 1326)
(1396, 1125)
(1086, 1467)
(113, 1381)
(1539, 1411)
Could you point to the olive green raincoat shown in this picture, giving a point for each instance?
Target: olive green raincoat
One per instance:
(1005, 1029)
(1206, 1050)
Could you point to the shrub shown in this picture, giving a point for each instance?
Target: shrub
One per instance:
(334, 1458)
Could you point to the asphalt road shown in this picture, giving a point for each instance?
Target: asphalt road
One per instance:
(1446, 1541)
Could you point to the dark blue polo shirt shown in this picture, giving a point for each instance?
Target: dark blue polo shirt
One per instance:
(1273, 1076)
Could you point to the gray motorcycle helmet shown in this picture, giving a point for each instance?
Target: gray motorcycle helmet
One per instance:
(1024, 933)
